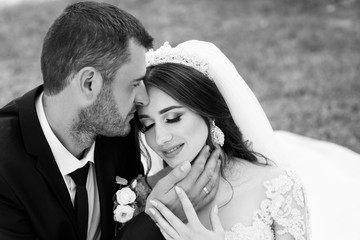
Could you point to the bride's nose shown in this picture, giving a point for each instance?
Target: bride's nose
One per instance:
(162, 135)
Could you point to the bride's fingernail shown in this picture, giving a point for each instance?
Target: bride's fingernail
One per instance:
(185, 166)
(152, 211)
(177, 189)
(207, 148)
(154, 203)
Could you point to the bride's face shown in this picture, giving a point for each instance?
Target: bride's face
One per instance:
(172, 130)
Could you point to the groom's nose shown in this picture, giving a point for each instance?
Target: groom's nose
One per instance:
(142, 98)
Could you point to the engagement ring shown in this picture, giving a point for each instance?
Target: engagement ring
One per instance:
(206, 190)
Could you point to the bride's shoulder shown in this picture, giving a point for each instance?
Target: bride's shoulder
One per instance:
(275, 176)
(270, 176)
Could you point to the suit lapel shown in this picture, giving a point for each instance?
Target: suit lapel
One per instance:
(105, 174)
(114, 157)
(36, 144)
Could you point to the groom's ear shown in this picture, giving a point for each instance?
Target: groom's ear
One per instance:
(90, 83)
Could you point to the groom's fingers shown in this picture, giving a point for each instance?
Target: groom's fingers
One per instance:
(196, 170)
(176, 175)
(210, 175)
(212, 186)
(207, 184)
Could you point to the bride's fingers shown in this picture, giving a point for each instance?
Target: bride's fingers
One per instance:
(188, 207)
(166, 215)
(215, 220)
(165, 234)
(165, 228)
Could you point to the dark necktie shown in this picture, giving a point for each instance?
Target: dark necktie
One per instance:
(81, 199)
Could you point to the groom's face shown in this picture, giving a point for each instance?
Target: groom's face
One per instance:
(115, 105)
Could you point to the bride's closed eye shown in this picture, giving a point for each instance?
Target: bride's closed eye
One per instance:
(147, 126)
(173, 120)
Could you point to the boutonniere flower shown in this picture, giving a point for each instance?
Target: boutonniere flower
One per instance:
(129, 200)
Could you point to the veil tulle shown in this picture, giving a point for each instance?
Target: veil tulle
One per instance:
(329, 171)
(243, 105)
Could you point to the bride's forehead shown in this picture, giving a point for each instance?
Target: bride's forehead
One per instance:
(158, 100)
(159, 97)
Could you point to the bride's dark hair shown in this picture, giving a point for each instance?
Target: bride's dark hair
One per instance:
(196, 91)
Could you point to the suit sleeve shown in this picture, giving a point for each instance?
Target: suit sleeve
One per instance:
(141, 227)
(14, 221)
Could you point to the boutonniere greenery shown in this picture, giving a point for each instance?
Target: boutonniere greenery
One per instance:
(129, 200)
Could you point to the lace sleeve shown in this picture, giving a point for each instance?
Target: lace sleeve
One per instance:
(288, 207)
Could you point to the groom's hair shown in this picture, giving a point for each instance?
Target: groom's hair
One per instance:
(89, 34)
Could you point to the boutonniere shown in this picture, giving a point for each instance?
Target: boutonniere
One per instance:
(129, 200)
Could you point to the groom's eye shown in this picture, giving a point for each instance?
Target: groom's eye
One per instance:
(137, 83)
(144, 128)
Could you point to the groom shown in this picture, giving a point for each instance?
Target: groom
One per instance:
(79, 120)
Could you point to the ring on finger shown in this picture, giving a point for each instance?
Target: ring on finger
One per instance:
(206, 190)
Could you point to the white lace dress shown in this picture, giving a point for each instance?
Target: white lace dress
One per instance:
(281, 215)
(330, 174)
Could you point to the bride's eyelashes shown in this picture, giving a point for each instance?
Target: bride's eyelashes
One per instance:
(173, 120)
(145, 128)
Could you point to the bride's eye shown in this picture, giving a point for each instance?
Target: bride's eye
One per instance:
(173, 120)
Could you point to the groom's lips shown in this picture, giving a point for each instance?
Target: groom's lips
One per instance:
(131, 114)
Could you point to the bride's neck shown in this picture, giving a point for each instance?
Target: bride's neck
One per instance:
(232, 176)
(223, 197)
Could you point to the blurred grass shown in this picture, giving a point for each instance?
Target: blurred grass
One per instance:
(301, 58)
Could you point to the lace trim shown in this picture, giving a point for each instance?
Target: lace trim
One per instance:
(285, 196)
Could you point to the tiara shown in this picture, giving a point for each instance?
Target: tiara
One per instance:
(168, 54)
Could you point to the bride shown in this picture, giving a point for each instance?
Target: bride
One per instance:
(187, 111)
(256, 199)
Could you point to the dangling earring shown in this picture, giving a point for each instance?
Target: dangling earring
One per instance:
(217, 136)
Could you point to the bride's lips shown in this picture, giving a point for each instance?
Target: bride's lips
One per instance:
(173, 151)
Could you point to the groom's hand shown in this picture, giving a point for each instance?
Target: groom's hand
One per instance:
(200, 182)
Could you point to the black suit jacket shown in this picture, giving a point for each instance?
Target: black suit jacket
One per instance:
(34, 200)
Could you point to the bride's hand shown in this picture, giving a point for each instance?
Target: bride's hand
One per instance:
(173, 228)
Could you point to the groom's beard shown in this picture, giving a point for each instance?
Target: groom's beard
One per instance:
(101, 118)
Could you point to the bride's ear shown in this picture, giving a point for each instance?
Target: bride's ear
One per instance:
(209, 141)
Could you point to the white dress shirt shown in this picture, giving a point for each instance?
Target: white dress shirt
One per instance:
(68, 163)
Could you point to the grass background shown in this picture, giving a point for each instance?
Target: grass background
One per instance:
(301, 58)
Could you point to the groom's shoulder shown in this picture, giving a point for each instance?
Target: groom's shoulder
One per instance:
(9, 125)
(12, 150)
(9, 113)
(12, 118)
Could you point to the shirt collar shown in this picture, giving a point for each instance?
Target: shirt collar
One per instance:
(66, 162)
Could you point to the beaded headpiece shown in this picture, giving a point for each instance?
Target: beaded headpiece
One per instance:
(168, 54)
